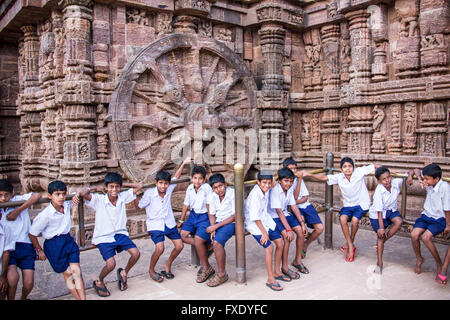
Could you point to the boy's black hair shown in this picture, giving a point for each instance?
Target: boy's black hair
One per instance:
(288, 162)
(347, 159)
(113, 177)
(56, 185)
(216, 178)
(5, 185)
(263, 175)
(163, 175)
(199, 169)
(285, 173)
(432, 170)
(380, 171)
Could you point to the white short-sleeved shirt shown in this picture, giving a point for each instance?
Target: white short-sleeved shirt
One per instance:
(158, 210)
(21, 226)
(303, 193)
(222, 210)
(109, 219)
(384, 200)
(354, 191)
(52, 223)
(278, 199)
(197, 200)
(255, 208)
(437, 200)
(6, 243)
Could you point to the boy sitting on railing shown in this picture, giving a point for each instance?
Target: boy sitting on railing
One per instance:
(356, 198)
(383, 211)
(262, 227)
(110, 230)
(17, 222)
(435, 217)
(61, 250)
(161, 221)
(6, 245)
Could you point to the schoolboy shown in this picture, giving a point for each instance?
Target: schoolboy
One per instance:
(262, 227)
(222, 228)
(435, 217)
(110, 230)
(61, 250)
(17, 220)
(6, 245)
(281, 197)
(383, 212)
(196, 200)
(308, 211)
(355, 195)
(161, 221)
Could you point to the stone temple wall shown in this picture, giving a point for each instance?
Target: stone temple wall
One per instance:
(88, 87)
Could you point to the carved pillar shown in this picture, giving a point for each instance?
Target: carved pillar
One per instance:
(409, 128)
(379, 31)
(315, 131)
(378, 138)
(330, 130)
(361, 50)
(344, 125)
(313, 60)
(406, 54)
(30, 58)
(433, 127)
(359, 130)
(101, 40)
(345, 53)
(394, 144)
(434, 20)
(330, 41)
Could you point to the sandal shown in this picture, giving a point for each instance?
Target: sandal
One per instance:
(168, 275)
(158, 277)
(120, 281)
(274, 286)
(217, 280)
(101, 289)
(352, 257)
(441, 279)
(284, 278)
(301, 267)
(303, 254)
(291, 274)
(205, 274)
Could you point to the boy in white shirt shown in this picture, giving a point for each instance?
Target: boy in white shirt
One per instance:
(383, 211)
(23, 255)
(435, 217)
(161, 221)
(222, 228)
(61, 250)
(262, 227)
(196, 200)
(356, 198)
(6, 245)
(281, 197)
(308, 211)
(110, 230)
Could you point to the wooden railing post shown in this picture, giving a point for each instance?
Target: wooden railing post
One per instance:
(329, 204)
(239, 222)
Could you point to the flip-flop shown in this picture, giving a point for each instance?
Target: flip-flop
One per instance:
(343, 249)
(283, 278)
(352, 257)
(158, 277)
(168, 275)
(120, 281)
(441, 279)
(274, 286)
(291, 274)
(303, 254)
(101, 289)
(301, 267)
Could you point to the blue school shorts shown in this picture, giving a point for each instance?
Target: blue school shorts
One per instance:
(291, 220)
(435, 226)
(386, 222)
(197, 224)
(158, 235)
(224, 233)
(351, 212)
(273, 235)
(109, 249)
(23, 256)
(61, 251)
(311, 216)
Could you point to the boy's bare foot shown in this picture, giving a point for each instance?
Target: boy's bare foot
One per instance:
(418, 265)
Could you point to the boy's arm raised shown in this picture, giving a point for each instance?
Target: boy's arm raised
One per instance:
(318, 176)
(15, 213)
(180, 169)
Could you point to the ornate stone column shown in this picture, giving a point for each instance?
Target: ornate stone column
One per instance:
(394, 143)
(330, 131)
(359, 130)
(330, 42)
(433, 127)
(379, 31)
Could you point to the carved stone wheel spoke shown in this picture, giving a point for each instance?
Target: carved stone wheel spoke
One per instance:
(171, 84)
